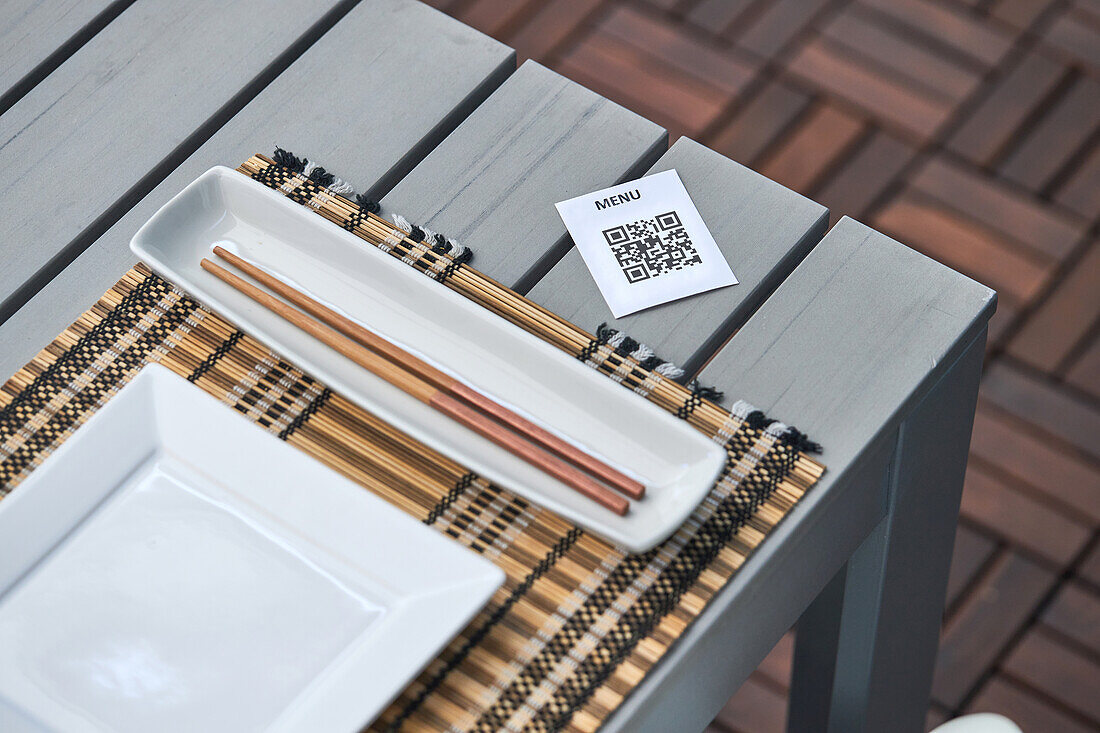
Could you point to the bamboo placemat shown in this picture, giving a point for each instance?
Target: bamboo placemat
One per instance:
(578, 623)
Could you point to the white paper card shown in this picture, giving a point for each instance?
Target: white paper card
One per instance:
(645, 243)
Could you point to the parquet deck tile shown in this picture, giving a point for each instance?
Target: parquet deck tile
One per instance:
(725, 69)
(985, 42)
(937, 716)
(761, 122)
(776, 24)
(822, 137)
(1024, 455)
(550, 26)
(952, 236)
(1081, 190)
(1061, 672)
(865, 173)
(1028, 709)
(1008, 102)
(1022, 517)
(1053, 333)
(973, 551)
(912, 61)
(1089, 569)
(757, 707)
(1003, 599)
(776, 667)
(672, 100)
(1076, 33)
(1045, 405)
(907, 108)
(1018, 13)
(1084, 371)
(1075, 614)
(1058, 136)
(1023, 221)
(721, 17)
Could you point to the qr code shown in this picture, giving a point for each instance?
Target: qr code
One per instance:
(648, 248)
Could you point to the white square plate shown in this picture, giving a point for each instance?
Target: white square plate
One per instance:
(173, 568)
(676, 462)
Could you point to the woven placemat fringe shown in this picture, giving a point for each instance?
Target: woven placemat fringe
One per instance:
(439, 243)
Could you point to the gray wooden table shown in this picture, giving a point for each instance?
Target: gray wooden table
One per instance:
(109, 108)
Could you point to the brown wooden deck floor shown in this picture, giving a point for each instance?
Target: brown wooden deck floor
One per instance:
(969, 129)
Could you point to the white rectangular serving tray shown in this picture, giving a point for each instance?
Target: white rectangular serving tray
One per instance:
(172, 567)
(223, 207)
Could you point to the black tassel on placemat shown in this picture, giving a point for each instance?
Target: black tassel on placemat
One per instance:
(289, 160)
(367, 204)
(756, 419)
(623, 345)
(459, 253)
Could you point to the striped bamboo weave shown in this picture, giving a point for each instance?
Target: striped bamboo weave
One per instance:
(578, 622)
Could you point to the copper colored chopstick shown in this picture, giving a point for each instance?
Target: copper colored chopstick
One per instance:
(441, 380)
(427, 393)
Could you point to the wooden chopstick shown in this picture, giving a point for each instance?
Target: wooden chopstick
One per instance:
(441, 380)
(427, 393)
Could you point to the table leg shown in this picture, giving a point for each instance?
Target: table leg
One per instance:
(815, 653)
(866, 648)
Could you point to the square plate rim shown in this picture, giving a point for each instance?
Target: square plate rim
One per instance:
(334, 700)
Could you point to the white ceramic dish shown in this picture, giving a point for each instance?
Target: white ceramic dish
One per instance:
(173, 568)
(677, 463)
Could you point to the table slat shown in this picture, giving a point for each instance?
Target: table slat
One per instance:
(844, 348)
(35, 33)
(436, 90)
(82, 142)
(762, 228)
(493, 183)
